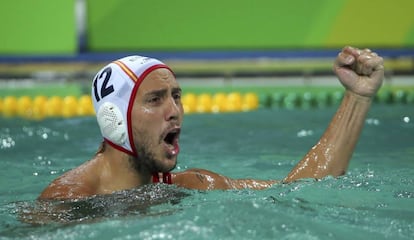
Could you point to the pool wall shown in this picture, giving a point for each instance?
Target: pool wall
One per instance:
(101, 26)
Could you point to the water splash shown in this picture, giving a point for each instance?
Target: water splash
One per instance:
(123, 203)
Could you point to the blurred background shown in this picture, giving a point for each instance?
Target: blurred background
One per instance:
(244, 42)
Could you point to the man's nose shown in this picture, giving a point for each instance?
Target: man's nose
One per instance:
(172, 109)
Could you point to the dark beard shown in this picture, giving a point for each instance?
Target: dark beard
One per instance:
(146, 161)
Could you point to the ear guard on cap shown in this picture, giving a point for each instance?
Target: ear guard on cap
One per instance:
(112, 123)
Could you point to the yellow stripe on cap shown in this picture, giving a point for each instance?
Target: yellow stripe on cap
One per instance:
(128, 71)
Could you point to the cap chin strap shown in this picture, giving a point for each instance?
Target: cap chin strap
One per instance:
(162, 178)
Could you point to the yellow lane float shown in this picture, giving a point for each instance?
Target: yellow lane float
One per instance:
(40, 107)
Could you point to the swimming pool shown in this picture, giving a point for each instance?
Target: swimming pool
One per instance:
(374, 200)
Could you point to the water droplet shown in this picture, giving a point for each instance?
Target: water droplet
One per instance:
(7, 142)
(304, 133)
(406, 119)
(373, 121)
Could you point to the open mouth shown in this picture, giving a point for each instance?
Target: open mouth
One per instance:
(171, 141)
(172, 136)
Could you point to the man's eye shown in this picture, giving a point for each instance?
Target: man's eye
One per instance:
(154, 99)
(177, 96)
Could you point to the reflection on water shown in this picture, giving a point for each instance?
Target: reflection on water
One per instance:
(59, 213)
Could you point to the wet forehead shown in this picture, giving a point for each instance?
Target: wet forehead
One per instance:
(158, 79)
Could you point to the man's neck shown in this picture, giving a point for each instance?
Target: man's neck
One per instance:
(118, 172)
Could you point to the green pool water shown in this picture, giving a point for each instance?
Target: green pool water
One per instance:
(374, 200)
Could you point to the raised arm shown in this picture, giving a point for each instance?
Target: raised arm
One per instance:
(361, 72)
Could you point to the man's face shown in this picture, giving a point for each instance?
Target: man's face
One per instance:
(156, 119)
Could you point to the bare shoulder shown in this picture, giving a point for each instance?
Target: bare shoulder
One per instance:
(200, 179)
(192, 173)
(191, 178)
(76, 183)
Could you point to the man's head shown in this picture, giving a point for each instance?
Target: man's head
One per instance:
(138, 107)
(157, 115)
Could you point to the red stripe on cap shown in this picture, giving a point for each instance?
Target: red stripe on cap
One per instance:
(138, 80)
(132, 98)
(122, 149)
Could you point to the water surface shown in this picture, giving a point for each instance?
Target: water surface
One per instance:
(374, 200)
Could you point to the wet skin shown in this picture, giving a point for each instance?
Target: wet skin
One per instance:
(157, 116)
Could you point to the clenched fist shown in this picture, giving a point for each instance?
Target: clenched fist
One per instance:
(359, 71)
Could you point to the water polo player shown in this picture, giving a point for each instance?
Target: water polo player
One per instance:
(138, 106)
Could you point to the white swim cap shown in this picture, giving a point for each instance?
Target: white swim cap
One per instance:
(113, 92)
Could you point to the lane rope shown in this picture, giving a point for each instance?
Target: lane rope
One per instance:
(40, 107)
